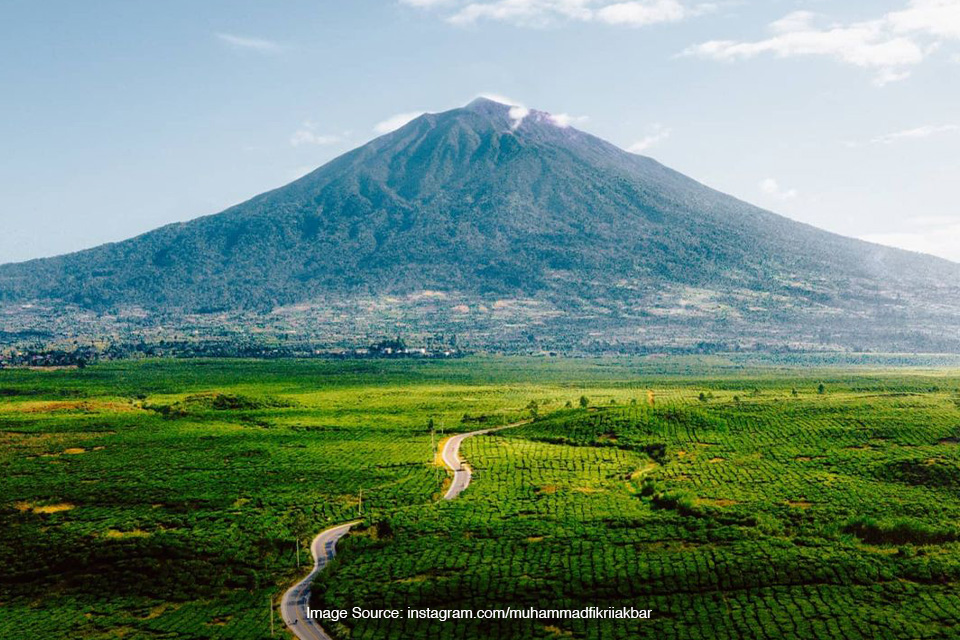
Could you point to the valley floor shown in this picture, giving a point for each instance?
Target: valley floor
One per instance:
(166, 499)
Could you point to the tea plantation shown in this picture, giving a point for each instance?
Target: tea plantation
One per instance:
(773, 512)
(734, 496)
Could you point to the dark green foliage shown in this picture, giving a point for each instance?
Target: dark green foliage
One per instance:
(785, 516)
(196, 405)
(680, 501)
(900, 531)
(928, 472)
(761, 519)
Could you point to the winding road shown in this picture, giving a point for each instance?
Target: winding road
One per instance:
(296, 601)
(451, 457)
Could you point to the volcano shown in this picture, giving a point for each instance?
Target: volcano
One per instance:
(512, 224)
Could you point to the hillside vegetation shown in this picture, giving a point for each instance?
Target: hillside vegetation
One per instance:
(475, 211)
(167, 499)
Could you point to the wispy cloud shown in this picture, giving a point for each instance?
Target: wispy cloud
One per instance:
(251, 44)
(425, 3)
(939, 18)
(307, 134)
(394, 122)
(564, 120)
(658, 133)
(772, 188)
(518, 111)
(641, 14)
(890, 45)
(535, 13)
(917, 133)
(542, 13)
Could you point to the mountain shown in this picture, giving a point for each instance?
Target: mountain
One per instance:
(484, 214)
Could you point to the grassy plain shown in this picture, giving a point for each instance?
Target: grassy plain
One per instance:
(162, 499)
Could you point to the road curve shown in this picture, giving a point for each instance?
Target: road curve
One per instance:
(296, 601)
(461, 471)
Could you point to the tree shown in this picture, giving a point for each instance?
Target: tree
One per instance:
(584, 402)
(821, 389)
(534, 407)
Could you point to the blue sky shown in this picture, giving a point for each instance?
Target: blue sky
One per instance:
(117, 117)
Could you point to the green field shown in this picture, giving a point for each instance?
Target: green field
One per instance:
(738, 496)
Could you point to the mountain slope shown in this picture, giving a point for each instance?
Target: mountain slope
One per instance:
(481, 206)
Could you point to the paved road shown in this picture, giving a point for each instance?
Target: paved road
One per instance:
(461, 471)
(293, 606)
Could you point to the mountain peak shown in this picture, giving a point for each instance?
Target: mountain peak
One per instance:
(491, 108)
(492, 202)
(515, 115)
(483, 103)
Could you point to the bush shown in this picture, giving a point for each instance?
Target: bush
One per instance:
(899, 531)
(680, 501)
(216, 402)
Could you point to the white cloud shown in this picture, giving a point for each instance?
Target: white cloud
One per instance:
(523, 12)
(917, 133)
(564, 120)
(394, 122)
(773, 189)
(890, 45)
(940, 18)
(936, 235)
(517, 115)
(889, 76)
(424, 3)
(307, 134)
(658, 134)
(252, 44)
(639, 14)
(519, 112)
(541, 13)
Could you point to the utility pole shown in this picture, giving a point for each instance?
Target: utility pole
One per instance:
(360, 503)
(297, 543)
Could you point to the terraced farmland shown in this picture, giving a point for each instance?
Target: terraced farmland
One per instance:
(166, 499)
(733, 497)
(778, 513)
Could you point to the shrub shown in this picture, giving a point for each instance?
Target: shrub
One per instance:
(680, 501)
(899, 531)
